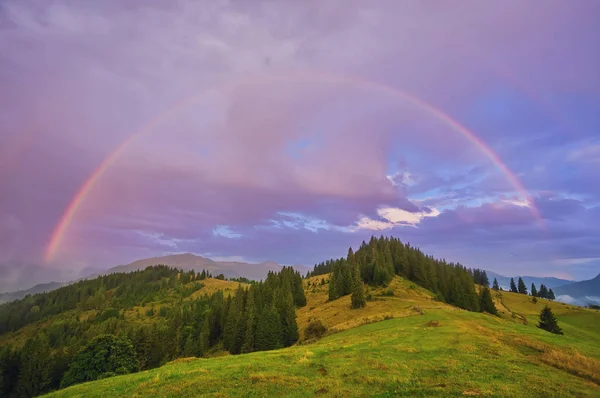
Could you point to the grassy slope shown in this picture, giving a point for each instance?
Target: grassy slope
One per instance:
(467, 354)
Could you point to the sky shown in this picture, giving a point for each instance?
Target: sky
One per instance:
(289, 131)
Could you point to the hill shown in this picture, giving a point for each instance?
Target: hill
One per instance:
(550, 282)
(186, 262)
(583, 292)
(167, 316)
(405, 344)
(41, 288)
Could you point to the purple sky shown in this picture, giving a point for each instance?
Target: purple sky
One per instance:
(281, 151)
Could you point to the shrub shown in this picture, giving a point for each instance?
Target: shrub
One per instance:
(314, 330)
(418, 310)
(388, 293)
(534, 300)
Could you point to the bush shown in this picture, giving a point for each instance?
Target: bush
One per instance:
(389, 292)
(369, 297)
(314, 330)
(534, 300)
(418, 310)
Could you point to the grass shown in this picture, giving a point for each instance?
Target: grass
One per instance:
(444, 352)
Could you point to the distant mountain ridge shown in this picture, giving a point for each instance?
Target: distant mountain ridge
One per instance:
(550, 282)
(185, 261)
(581, 290)
(189, 261)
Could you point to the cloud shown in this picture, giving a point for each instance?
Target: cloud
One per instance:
(395, 217)
(258, 120)
(225, 231)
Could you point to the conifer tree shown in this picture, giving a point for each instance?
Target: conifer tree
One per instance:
(268, 330)
(289, 327)
(332, 287)
(548, 321)
(551, 295)
(534, 291)
(496, 286)
(543, 292)
(484, 279)
(230, 327)
(486, 304)
(522, 288)
(513, 286)
(358, 290)
(204, 338)
(252, 311)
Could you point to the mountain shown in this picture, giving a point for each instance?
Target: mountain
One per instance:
(189, 261)
(550, 282)
(41, 288)
(584, 291)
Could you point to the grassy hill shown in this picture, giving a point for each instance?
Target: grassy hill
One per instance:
(402, 343)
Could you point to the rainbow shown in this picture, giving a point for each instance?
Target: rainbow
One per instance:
(306, 77)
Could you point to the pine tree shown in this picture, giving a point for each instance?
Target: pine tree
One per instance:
(548, 321)
(297, 289)
(268, 330)
(551, 295)
(521, 286)
(513, 286)
(332, 287)
(496, 286)
(358, 290)
(486, 304)
(289, 327)
(204, 343)
(543, 292)
(189, 348)
(230, 327)
(251, 309)
(534, 291)
(484, 279)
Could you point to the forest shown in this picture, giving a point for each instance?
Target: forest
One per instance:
(89, 317)
(376, 263)
(147, 318)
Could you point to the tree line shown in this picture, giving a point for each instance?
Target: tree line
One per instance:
(259, 317)
(521, 288)
(376, 263)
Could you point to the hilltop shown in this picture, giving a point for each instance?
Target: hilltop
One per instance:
(401, 343)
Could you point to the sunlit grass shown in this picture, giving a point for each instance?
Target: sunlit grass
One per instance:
(464, 354)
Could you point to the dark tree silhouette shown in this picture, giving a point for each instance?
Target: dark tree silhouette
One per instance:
(548, 321)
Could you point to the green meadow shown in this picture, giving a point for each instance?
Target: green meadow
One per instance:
(424, 348)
